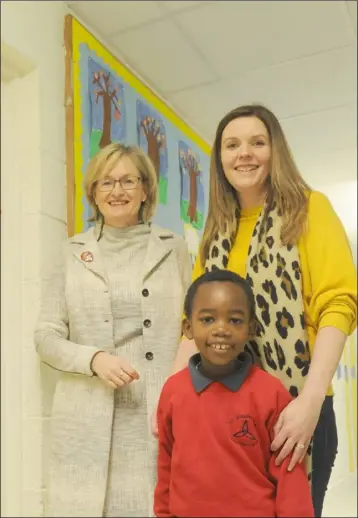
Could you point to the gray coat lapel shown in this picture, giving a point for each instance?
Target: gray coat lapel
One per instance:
(87, 243)
(159, 247)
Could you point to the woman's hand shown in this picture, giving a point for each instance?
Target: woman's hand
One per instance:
(113, 370)
(294, 429)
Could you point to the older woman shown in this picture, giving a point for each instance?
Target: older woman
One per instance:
(110, 322)
(266, 223)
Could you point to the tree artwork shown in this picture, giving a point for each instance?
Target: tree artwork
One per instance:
(151, 135)
(192, 199)
(190, 163)
(155, 139)
(108, 93)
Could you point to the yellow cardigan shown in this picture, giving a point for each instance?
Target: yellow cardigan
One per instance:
(329, 276)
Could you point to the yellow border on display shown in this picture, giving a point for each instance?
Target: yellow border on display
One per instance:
(80, 35)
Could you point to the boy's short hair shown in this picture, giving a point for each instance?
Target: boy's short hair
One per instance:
(219, 276)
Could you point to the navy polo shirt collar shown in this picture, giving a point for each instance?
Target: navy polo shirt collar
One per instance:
(232, 381)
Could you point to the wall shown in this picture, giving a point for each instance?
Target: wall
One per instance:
(11, 401)
(345, 402)
(343, 197)
(32, 228)
(341, 499)
(345, 389)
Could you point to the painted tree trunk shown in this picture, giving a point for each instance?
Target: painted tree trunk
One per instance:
(106, 133)
(193, 196)
(153, 152)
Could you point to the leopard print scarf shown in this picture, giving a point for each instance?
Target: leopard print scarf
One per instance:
(274, 274)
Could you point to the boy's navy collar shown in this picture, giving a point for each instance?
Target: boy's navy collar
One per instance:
(232, 381)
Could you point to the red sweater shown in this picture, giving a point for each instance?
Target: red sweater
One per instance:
(214, 456)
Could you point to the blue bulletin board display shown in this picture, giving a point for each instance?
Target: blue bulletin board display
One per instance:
(110, 104)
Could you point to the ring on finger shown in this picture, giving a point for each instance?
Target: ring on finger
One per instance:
(300, 446)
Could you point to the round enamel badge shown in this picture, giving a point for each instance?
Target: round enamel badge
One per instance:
(87, 257)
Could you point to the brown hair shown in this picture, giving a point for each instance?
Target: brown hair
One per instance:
(103, 163)
(286, 186)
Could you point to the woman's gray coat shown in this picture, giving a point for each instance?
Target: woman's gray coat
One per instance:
(75, 322)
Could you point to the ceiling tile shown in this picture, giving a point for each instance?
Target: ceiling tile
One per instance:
(322, 133)
(315, 83)
(173, 5)
(113, 17)
(205, 105)
(241, 36)
(202, 100)
(162, 56)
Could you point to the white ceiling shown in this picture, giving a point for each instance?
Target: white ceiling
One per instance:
(204, 58)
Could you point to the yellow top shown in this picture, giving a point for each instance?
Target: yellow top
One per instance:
(329, 277)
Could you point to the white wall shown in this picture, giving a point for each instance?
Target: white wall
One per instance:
(341, 499)
(32, 228)
(343, 197)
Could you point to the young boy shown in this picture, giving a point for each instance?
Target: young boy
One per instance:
(216, 418)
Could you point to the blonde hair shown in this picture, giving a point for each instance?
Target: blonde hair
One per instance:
(103, 163)
(286, 186)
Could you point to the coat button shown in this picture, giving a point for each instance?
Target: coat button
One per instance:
(145, 292)
(147, 323)
(149, 356)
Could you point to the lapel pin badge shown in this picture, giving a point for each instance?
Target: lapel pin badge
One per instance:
(87, 257)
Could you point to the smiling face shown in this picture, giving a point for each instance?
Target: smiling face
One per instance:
(220, 322)
(120, 207)
(245, 155)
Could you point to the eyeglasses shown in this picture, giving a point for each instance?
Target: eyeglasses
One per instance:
(128, 183)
